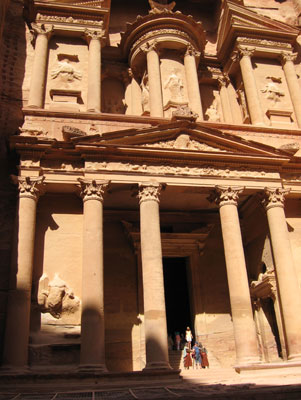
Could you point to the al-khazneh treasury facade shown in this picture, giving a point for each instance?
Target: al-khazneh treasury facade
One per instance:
(150, 135)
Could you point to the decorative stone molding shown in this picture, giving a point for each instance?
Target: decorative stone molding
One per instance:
(28, 186)
(92, 189)
(262, 43)
(149, 192)
(31, 130)
(274, 197)
(226, 195)
(184, 142)
(70, 132)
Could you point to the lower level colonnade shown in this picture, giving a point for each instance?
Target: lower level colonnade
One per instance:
(92, 353)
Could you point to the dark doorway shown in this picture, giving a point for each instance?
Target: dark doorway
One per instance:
(176, 295)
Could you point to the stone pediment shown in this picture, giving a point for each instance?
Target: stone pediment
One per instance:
(238, 21)
(182, 137)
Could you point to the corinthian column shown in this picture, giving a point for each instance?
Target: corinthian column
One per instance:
(94, 69)
(92, 351)
(249, 81)
(241, 308)
(153, 282)
(289, 290)
(38, 77)
(193, 87)
(18, 311)
(154, 79)
(292, 83)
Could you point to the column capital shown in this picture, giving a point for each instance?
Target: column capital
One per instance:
(42, 29)
(93, 34)
(191, 51)
(150, 46)
(149, 191)
(223, 80)
(274, 197)
(29, 187)
(287, 56)
(226, 195)
(92, 189)
(242, 52)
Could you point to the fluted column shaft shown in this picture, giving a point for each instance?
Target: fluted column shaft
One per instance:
(94, 70)
(154, 80)
(193, 87)
(18, 313)
(289, 290)
(292, 83)
(153, 281)
(92, 352)
(226, 108)
(38, 77)
(255, 110)
(241, 307)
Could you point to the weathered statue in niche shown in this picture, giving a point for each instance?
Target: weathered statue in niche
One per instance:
(175, 86)
(212, 112)
(56, 298)
(145, 94)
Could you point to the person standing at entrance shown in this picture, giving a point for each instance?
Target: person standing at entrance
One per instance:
(196, 355)
(205, 362)
(188, 337)
(177, 340)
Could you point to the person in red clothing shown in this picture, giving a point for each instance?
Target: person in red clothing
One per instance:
(204, 352)
(187, 357)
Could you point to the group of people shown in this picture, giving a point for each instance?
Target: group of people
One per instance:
(194, 356)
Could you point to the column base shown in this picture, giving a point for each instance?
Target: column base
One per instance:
(10, 369)
(157, 365)
(97, 368)
(248, 360)
(294, 357)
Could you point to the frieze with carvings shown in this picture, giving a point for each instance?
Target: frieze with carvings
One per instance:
(161, 32)
(263, 42)
(184, 142)
(205, 170)
(69, 20)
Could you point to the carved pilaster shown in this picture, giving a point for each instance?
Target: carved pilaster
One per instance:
(274, 197)
(224, 195)
(92, 189)
(149, 192)
(29, 187)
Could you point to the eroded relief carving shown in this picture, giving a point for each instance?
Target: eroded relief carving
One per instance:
(212, 112)
(70, 20)
(31, 130)
(184, 112)
(65, 71)
(186, 143)
(157, 8)
(272, 90)
(56, 297)
(175, 86)
(71, 132)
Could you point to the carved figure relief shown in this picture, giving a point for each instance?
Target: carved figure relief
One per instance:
(175, 86)
(145, 94)
(65, 71)
(56, 298)
(272, 90)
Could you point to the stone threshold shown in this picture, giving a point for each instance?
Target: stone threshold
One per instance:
(62, 377)
(287, 367)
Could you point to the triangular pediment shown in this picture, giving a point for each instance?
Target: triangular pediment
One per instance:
(182, 137)
(239, 21)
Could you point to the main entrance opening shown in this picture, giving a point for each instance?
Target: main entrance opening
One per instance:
(176, 295)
